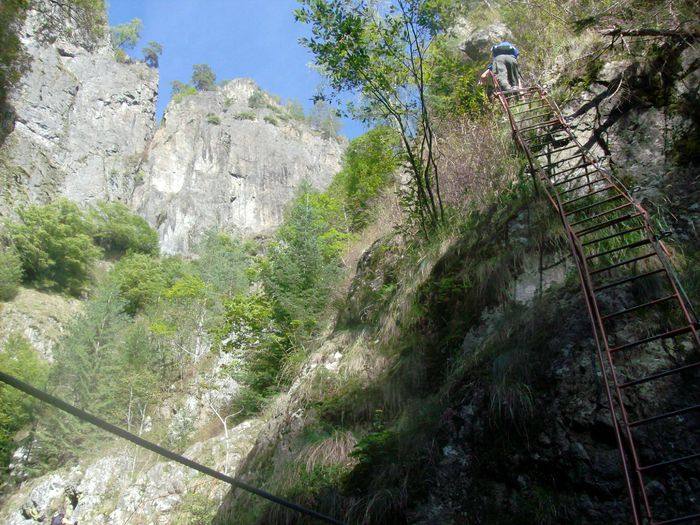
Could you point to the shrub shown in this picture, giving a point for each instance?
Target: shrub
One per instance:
(117, 230)
(257, 100)
(213, 119)
(181, 90)
(270, 120)
(10, 273)
(54, 242)
(245, 115)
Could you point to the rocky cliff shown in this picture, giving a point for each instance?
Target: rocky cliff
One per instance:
(222, 159)
(82, 120)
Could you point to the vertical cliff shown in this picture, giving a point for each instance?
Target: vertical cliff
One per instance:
(81, 119)
(229, 159)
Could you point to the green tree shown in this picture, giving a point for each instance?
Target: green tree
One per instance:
(324, 118)
(258, 345)
(203, 77)
(54, 242)
(140, 279)
(295, 110)
(126, 35)
(10, 273)
(369, 163)
(17, 410)
(118, 231)
(151, 53)
(222, 263)
(103, 364)
(377, 50)
(303, 261)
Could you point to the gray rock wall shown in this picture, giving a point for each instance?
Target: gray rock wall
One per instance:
(82, 119)
(215, 162)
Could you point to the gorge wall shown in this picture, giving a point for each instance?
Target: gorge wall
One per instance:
(220, 161)
(82, 120)
(84, 128)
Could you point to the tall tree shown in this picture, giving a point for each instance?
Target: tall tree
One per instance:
(324, 118)
(151, 53)
(126, 35)
(377, 50)
(203, 77)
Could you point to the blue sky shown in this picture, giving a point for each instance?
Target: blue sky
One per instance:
(237, 38)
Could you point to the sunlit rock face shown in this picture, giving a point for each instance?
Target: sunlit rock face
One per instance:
(82, 120)
(216, 162)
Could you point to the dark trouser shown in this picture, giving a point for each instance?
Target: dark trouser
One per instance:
(505, 67)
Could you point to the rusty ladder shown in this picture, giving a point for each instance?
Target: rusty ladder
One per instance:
(634, 300)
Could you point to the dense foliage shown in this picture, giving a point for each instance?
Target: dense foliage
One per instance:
(55, 245)
(17, 410)
(10, 273)
(151, 53)
(118, 231)
(203, 77)
(59, 243)
(369, 163)
(127, 35)
(378, 51)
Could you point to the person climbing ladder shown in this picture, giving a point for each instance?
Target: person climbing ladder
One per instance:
(504, 65)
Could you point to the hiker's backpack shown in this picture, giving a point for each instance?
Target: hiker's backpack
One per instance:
(504, 48)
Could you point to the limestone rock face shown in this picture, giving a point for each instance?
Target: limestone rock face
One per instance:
(476, 42)
(82, 119)
(216, 162)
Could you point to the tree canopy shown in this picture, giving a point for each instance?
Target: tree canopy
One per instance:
(203, 77)
(126, 35)
(151, 53)
(378, 51)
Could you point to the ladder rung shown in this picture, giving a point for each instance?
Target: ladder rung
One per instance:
(611, 222)
(659, 375)
(602, 214)
(582, 165)
(623, 263)
(618, 234)
(583, 186)
(568, 138)
(683, 459)
(546, 114)
(556, 150)
(540, 125)
(638, 307)
(519, 113)
(682, 519)
(631, 245)
(665, 415)
(556, 162)
(665, 335)
(526, 103)
(627, 280)
(589, 206)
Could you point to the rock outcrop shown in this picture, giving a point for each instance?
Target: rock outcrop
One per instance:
(82, 120)
(221, 161)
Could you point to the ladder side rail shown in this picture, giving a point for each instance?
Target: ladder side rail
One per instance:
(599, 335)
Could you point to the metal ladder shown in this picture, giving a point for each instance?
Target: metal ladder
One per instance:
(634, 300)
